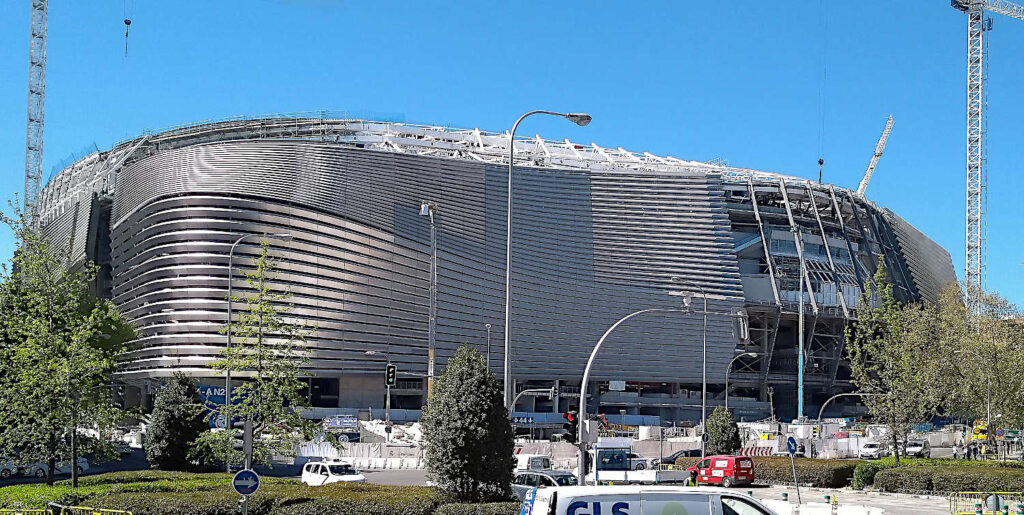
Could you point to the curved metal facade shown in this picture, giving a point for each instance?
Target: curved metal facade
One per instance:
(593, 240)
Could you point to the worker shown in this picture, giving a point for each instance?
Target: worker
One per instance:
(692, 480)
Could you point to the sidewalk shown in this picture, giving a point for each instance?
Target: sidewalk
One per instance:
(891, 503)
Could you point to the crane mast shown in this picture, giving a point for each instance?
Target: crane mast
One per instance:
(879, 148)
(36, 98)
(974, 267)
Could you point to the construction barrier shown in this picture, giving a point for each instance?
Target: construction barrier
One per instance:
(986, 503)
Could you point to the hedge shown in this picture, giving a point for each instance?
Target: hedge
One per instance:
(160, 493)
(777, 470)
(494, 508)
(947, 479)
(866, 471)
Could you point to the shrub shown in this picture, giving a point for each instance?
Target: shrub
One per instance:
(723, 434)
(494, 508)
(818, 473)
(905, 479)
(991, 479)
(865, 471)
(467, 432)
(176, 422)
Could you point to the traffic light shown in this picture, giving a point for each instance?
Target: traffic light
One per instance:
(391, 374)
(571, 426)
(241, 439)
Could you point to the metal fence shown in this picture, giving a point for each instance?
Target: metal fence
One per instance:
(987, 503)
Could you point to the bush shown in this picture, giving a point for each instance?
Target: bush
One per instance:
(865, 471)
(494, 508)
(905, 479)
(991, 479)
(176, 422)
(723, 434)
(467, 432)
(818, 473)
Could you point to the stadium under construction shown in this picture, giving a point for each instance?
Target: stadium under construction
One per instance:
(598, 233)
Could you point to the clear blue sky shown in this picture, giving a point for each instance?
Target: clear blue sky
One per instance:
(696, 80)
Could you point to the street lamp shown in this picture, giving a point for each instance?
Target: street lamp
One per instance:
(387, 401)
(227, 372)
(581, 437)
(581, 119)
(704, 356)
(729, 369)
(488, 326)
(427, 209)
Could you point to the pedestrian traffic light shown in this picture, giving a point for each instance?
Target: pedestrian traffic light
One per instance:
(391, 374)
(241, 439)
(571, 426)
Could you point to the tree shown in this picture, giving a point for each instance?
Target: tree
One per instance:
(58, 344)
(467, 431)
(892, 351)
(267, 354)
(177, 420)
(723, 433)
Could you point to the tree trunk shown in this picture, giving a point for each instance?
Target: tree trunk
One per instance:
(895, 445)
(51, 461)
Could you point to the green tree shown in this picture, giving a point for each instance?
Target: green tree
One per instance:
(723, 433)
(58, 345)
(467, 432)
(892, 351)
(177, 420)
(267, 355)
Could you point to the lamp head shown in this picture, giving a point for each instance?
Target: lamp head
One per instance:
(581, 119)
(281, 236)
(426, 208)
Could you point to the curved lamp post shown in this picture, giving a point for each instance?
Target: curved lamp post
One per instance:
(580, 119)
(227, 373)
(581, 439)
(729, 369)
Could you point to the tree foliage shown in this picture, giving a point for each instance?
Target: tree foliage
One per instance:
(892, 352)
(467, 431)
(266, 356)
(723, 433)
(177, 420)
(58, 344)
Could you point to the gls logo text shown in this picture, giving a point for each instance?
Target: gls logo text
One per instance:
(584, 508)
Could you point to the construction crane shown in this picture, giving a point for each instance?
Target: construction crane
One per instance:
(879, 148)
(976, 178)
(36, 99)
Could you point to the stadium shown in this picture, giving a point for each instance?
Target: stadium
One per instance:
(598, 233)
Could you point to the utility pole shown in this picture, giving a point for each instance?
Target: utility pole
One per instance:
(427, 209)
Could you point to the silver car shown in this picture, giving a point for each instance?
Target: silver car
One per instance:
(527, 480)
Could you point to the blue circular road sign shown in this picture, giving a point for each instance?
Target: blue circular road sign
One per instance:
(791, 445)
(246, 482)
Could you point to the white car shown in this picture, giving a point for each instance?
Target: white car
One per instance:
(7, 468)
(62, 467)
(319, 473)
(873, 451)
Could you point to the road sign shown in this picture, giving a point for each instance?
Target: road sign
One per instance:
(791, 445)
(246, 482)
(522, 420)
(616, 386)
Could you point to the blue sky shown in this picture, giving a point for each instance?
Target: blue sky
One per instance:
(744, 80)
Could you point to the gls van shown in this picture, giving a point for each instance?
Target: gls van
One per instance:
(640, 500)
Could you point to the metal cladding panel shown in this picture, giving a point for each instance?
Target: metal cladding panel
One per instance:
(588, 248)
(931, 266)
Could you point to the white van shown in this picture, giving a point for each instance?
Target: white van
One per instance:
(532, 462)
(641, 500)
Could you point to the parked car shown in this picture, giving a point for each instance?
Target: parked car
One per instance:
(7, 467)
(643, 500)
(874, 451)
(319, 473)
(62, 468)
(528, 480)
(917, 449)
(685, 453)
(725, 470)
